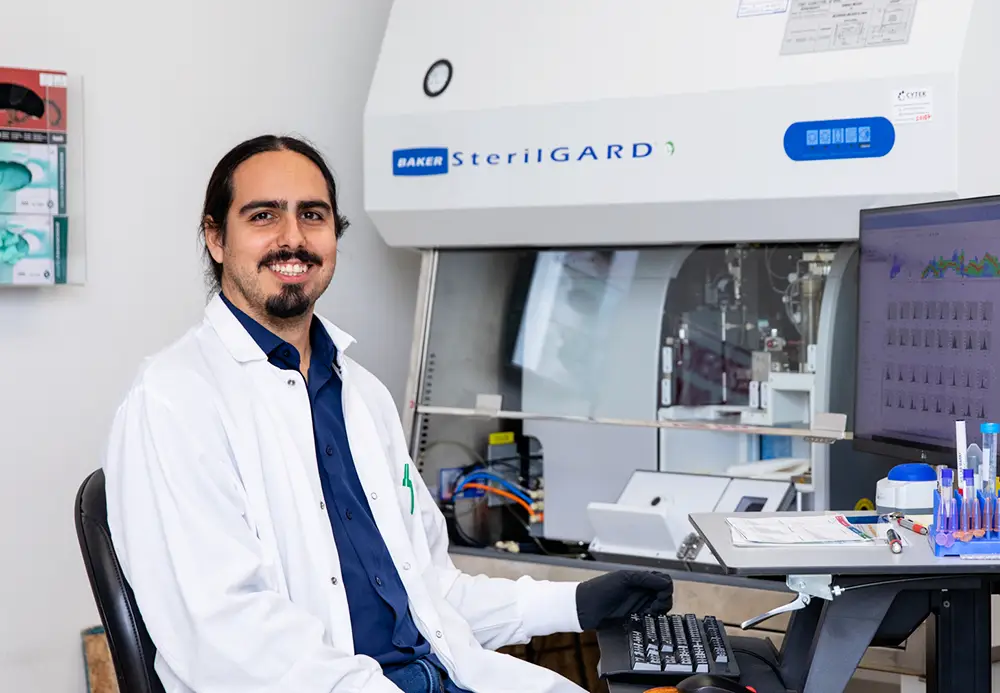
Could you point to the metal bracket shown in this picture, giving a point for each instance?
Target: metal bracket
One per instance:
(807, 587)
(819, 586)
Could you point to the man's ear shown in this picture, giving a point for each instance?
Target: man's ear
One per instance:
(213, 239)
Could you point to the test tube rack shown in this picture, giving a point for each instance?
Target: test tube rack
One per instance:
(989, 543)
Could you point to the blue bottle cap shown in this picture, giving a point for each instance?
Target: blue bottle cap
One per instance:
(970, 474)
(989, 428)
(946, 475)
(912, 471)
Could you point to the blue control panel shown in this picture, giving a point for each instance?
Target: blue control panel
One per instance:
(850, 138)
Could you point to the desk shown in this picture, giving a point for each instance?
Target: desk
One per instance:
(886, 597)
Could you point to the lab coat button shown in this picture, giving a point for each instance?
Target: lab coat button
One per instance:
(291, 382)
(322, 505)
(374, 496)
(437, 634)
(333, 580)
(406, 566)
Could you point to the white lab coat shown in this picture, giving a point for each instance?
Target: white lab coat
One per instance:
(218, 518)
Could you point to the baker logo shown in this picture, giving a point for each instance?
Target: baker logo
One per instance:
(421, 161)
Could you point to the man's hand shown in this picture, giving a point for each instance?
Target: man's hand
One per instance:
(616, 595)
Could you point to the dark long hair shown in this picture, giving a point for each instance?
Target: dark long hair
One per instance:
(219, 194)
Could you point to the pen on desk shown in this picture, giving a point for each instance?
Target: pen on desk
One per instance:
(895, 544)
(907, 523)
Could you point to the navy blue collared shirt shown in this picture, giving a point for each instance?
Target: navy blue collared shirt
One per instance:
(379, 607)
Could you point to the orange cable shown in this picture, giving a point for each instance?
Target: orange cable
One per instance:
(501, 492)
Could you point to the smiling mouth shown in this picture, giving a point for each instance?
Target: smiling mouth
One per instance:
(290, 270)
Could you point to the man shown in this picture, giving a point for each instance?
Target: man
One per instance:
(258, 496)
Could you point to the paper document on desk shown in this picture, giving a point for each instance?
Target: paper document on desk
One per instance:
(796, 531)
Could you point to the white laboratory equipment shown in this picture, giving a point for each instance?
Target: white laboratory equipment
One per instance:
(652, 267)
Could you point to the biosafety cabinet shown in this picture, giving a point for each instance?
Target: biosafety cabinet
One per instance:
(638, 226)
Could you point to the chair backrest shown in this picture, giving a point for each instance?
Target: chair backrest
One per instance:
(132, 651)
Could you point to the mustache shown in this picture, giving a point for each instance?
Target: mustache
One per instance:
(284, 255)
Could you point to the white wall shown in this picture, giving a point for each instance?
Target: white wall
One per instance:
(167, 93)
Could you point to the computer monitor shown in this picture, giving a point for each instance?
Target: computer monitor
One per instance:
(928, 296)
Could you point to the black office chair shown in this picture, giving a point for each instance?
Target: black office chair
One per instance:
(132, 651)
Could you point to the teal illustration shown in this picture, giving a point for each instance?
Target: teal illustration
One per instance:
(13, 176)
(23, 238)
(29, 178)
(13, 249)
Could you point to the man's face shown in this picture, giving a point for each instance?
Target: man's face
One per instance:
(280, 249)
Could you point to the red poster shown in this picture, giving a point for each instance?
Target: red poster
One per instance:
(32, 106)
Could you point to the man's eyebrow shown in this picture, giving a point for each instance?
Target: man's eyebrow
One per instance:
(263, 204)
(315, 204)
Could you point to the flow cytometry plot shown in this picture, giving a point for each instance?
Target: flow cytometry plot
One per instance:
(905, 310)
(892, 336)
(893, 311)
(986, 311)
(949, 376)
(935, 375)
(930, 339)
(919, 310)
(933, 310)
(983, 340)
(906, 373)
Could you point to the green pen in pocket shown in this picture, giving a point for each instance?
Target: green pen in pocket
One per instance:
(408, 484)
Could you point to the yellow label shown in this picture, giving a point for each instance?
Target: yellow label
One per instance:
(501, 438)
(864, 504)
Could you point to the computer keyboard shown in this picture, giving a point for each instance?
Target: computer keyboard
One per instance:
(665, 648)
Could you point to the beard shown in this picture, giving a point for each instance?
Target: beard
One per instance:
(290, 302)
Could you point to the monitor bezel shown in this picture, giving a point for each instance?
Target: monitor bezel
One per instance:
(884, 445)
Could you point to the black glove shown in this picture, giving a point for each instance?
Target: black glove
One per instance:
(615, 596)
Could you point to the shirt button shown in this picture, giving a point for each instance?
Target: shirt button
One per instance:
(437, 634)
(333, 580)
(329, 449)
(286, 353)
(348, 514)
(378, 581)
(406, 566)
(374, 496)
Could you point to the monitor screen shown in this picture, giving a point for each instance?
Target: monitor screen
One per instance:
(929, 286)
